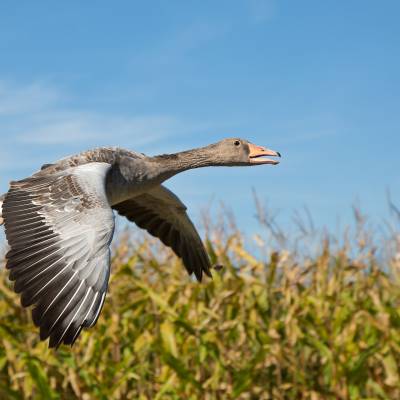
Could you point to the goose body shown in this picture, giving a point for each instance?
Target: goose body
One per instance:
(59, 224)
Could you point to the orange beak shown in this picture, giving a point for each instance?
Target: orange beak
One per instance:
(258, 155)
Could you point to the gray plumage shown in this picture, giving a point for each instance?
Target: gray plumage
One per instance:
(59, 224)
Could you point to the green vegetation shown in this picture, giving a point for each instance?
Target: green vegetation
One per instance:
(325, 326)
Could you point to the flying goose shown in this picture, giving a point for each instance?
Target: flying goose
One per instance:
(59, 224)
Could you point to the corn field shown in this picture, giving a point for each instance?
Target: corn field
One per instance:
(271, 324)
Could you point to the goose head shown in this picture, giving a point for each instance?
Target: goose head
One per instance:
(240, 152)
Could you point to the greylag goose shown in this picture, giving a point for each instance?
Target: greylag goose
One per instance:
(59, 224)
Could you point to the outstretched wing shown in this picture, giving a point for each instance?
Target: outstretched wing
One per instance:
(164, 216)
(59, 228)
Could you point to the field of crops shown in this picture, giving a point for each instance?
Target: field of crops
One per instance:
(270, 325)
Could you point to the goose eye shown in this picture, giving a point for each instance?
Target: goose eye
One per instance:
(236, 143)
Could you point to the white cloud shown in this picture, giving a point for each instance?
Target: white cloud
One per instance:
(33, 97)
(69, 126)
(34, 114)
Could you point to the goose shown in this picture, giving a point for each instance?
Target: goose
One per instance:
(59, 223)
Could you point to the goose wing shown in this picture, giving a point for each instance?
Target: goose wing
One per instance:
(164, 216)
(59, 228)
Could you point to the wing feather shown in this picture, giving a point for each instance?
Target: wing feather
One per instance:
(164, 216)
(59, 228)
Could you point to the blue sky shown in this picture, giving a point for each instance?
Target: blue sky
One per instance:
(318, 81)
